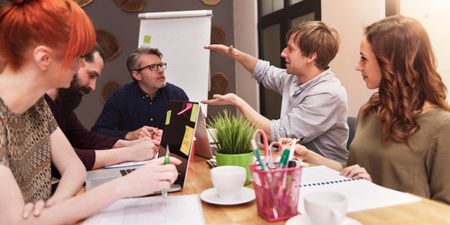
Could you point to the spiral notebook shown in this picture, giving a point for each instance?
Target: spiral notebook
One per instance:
(361, 194)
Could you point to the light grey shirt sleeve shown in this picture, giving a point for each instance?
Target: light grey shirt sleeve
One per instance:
(271, 77)
(310, 119)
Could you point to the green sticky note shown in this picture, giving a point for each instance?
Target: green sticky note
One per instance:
(147, 39)
(194, 112)
(168, 114)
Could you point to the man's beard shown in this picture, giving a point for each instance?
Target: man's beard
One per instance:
(70, 98)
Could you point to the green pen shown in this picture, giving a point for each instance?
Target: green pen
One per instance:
(258, 156)
(166, 161)
(284, 158)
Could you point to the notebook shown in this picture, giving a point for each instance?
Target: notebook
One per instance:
(361, 194)
(178, 134)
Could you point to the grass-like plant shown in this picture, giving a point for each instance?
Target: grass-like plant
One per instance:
(233, 134)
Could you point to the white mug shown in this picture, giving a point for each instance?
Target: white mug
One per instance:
(228, 181)
(325, 208)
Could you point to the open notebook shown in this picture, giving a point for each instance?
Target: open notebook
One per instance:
(361, 194)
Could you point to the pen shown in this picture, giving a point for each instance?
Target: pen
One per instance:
(166, 161)
(291, 153)
(258, 156)
(284, 158)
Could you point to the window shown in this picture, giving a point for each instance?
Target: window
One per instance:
(276, 17)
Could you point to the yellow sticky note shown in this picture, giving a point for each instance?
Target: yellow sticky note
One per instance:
(147, 39)
(168, 114)
(194, 112)
(187, 139)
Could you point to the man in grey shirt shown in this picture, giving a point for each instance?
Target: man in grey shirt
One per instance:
(314, 103)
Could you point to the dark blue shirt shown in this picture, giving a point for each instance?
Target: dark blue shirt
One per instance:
(130, 108)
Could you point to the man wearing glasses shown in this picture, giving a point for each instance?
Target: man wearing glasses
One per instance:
(138, 109)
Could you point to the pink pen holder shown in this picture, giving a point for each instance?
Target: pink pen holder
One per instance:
(277, 192)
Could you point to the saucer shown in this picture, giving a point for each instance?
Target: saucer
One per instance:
(303, 220)
(211, 196)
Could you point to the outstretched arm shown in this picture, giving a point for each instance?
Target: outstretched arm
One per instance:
(247, 111)
(246, 60)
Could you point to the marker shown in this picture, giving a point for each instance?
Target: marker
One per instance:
(291, 154)
(258, 156)
(284, 158)
(166, 161)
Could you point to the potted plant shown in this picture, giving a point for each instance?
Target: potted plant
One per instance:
(233, 136)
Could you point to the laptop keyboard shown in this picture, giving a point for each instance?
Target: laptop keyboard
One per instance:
(126, 171)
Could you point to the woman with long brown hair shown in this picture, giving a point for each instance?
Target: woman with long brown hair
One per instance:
(402, 135)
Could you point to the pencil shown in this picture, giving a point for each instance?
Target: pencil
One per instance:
(166, 161)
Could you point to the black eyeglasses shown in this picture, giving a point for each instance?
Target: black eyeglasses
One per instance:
(153, 67)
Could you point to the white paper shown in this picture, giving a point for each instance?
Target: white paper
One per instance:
(361, 194)
(181, 36)
(174, 210)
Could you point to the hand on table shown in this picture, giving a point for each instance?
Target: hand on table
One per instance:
(356, 171)
(153, 176)
(145, 131)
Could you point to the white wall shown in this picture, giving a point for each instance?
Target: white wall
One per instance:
(246, 39)
(434, 15)
(349, 17)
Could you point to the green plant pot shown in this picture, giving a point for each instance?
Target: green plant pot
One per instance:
(243, 160)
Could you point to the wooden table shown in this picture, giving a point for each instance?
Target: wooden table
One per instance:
(425, 212)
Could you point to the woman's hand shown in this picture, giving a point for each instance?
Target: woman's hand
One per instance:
(34, 209)
(153, 176)
(356, 171)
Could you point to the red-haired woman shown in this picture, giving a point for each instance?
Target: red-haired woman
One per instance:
(402, 135)
(41, 43)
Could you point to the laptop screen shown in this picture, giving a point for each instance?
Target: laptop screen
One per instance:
(178, 134)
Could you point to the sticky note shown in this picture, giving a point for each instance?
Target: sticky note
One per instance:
(194, 112)
(147, 39)
(187, 139)
(168, 114)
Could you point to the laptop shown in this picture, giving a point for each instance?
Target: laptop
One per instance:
(202, 138)
(178, 135)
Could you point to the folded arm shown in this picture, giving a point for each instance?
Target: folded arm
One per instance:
(152, 177)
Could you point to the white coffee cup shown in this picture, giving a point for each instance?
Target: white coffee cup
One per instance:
(325, 208)
(228, 181)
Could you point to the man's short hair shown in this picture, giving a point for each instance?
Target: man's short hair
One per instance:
(316, 37)
(89, 57)
(132, 61)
